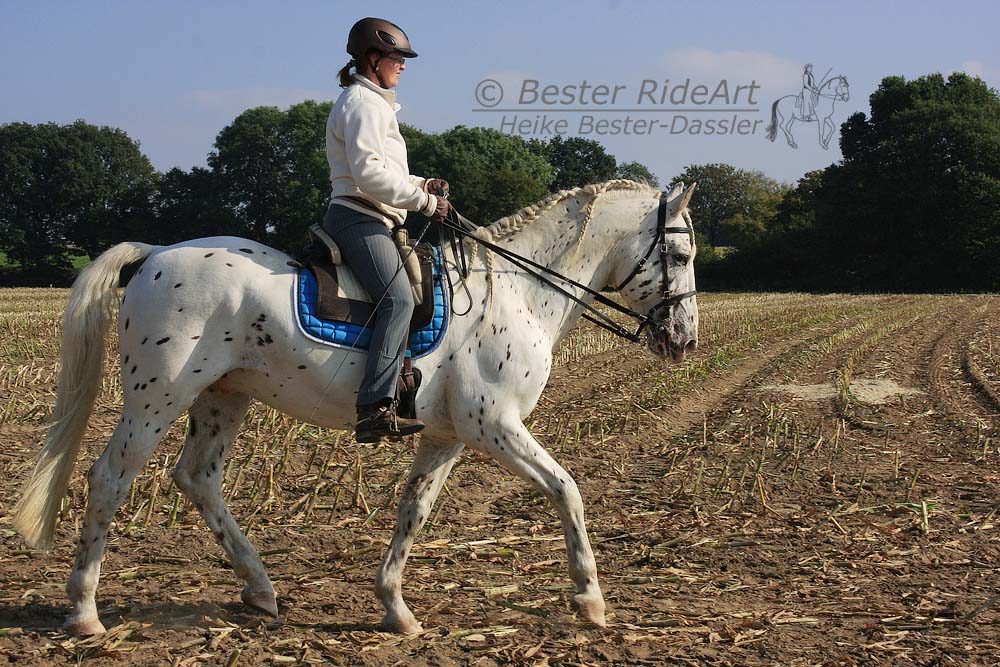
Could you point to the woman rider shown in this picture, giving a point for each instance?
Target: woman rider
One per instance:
(372, 190)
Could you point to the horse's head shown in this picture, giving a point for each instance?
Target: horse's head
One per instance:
(842, 92)
(654, 272)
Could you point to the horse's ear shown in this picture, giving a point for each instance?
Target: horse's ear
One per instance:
(686, 199)
(675, 191)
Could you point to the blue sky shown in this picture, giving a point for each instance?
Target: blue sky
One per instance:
(172, 74)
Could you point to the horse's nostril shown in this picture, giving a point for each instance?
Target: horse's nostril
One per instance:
(691, 346)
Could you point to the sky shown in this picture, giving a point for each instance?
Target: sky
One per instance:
(173, 74)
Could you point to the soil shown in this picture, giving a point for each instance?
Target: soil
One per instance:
(735, 520)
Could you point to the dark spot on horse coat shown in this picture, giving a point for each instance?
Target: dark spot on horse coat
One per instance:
(209, 255)
(144, 340)
(126, 320)
(192, 428)
(158, 274)
(197, 370)
(133, 369)
(301, 367)
(246, 250)
(178, 285)
(163, 340)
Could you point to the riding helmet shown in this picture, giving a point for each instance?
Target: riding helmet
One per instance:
(379, 34)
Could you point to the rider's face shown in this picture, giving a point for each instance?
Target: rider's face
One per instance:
(389, 67)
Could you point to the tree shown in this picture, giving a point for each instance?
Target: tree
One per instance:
(915, 204)
(577, 161)
(491, 174)
(637, 172)
(190, 205)
(70, 186)
(780, 252)
(731, 205)
(272, 168)
(114, 187)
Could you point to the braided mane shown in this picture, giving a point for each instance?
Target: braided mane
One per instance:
(512, 224)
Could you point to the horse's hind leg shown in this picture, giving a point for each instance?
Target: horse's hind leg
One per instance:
(131, 445)
(431, 465)
(787, 129)
(214, 421)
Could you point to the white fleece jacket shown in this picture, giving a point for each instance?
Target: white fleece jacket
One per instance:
(367, 155)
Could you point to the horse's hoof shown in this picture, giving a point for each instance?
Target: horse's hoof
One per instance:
(401, 625)
(590, 607)
(80, 628)
(263, 601)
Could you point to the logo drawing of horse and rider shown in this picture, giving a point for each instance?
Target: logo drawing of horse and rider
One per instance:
(814, 103)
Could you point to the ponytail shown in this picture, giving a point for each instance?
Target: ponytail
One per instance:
(345, 74)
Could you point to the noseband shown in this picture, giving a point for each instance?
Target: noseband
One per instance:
(660, 242)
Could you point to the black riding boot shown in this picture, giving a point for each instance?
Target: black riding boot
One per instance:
(380, 419)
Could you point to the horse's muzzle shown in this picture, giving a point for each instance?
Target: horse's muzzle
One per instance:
(663, 345)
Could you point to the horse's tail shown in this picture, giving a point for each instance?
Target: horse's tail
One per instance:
(772, 129)
(85, 325)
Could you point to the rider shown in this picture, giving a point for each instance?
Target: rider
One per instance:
(809, 93)
(372, 190)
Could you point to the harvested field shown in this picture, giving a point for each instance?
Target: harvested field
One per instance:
(735, 522)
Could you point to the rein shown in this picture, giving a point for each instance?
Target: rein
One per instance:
(461, 226)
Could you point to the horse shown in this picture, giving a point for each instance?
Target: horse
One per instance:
(206, 325)
(785, 108)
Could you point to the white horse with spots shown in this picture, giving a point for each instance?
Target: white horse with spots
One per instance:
(208, 324)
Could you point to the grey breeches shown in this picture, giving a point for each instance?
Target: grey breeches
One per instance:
(368, 249)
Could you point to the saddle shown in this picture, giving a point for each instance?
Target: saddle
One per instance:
(343, 298)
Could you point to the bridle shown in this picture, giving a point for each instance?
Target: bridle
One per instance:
(660, 242)
(463, 227)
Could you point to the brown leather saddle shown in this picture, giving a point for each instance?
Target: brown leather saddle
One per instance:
(342, 298)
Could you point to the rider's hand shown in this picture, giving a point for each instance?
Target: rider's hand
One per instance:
(436, 185)
(443, 208)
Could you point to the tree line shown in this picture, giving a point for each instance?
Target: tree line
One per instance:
(68, 192)
(914, 205)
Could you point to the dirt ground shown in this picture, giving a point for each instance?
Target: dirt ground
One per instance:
(736, 520)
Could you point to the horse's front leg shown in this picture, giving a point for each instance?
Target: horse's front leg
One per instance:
(826, 129)
(510, 443)
(431, 465)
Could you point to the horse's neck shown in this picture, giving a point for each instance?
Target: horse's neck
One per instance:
(555, 241)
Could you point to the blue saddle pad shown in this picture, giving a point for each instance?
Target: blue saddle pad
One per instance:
(345, 334)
